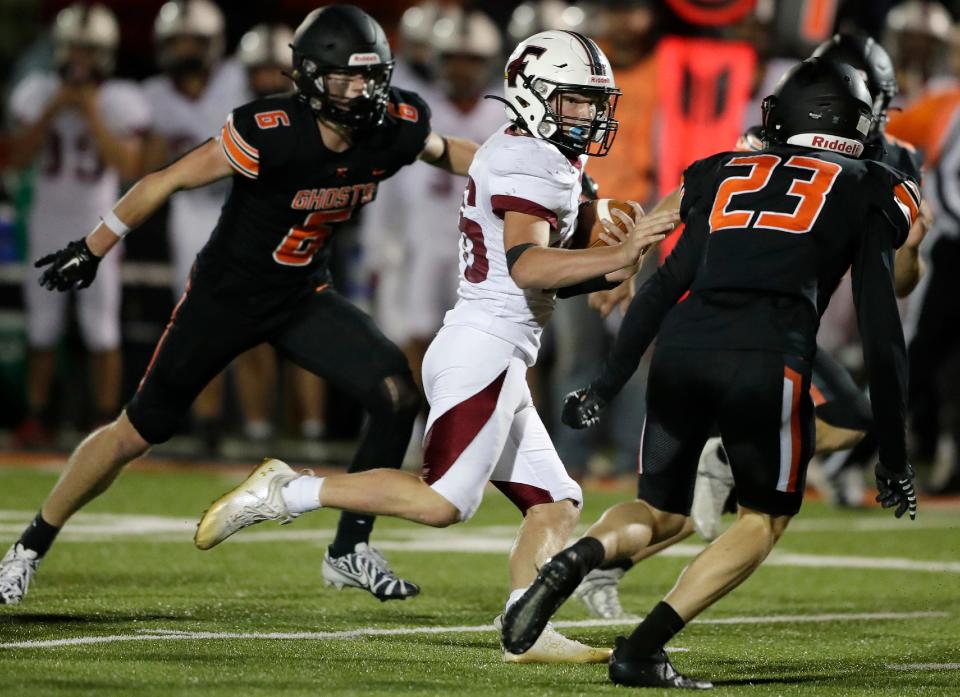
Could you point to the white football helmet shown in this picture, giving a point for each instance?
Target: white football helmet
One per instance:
(467, 32)
(540, 15)
(92, 26)
(200, 18)
(267, 44)
(549, 65)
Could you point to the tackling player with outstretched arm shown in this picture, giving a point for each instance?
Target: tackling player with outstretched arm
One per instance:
(300, 164)
(768, 237)
(517, 219)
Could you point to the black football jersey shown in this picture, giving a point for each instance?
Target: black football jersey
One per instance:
(768, 236)
(290, 192)
(898, 154)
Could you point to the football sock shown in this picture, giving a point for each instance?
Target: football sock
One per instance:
(39, 535)
(653, 632)
(589, 553)
(625, 564)
(514, 596)
(353, 529)
(302, 494)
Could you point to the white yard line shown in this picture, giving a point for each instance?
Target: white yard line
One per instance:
(185, 635)
(924, 666)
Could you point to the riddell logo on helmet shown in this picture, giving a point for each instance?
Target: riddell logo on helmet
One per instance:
(835, 144)
(363, 59)
(844, 146)
(599, 80)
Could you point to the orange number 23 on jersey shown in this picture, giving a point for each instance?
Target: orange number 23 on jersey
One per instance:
(812, 194)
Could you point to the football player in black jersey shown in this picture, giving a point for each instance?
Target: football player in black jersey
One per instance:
(768, 237)
(301, 164)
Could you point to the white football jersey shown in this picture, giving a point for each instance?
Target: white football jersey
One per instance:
(511, 172)
(186, 123)
(73, 187)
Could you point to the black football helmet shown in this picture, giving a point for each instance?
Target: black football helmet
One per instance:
(870, 58)
(342, 41)
(820, 104)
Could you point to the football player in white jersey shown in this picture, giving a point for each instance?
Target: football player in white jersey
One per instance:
(87, 130)
(419, 284)
(518, 214)
(189, 101)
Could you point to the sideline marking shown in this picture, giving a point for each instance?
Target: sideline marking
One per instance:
(923, 666)
(184, 635)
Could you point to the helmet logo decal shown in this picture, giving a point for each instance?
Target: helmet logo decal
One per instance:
(515, 66)
(822, 141)
(363, 59)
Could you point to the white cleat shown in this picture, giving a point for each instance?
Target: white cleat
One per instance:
(553, 647)
(16, 569)
(255, 500)
(366, 568)
(713, 486)
(599, 592)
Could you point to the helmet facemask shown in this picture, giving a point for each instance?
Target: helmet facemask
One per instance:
(324, 89)
(575, 136)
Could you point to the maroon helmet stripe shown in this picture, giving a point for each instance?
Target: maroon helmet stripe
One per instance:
(593, 54)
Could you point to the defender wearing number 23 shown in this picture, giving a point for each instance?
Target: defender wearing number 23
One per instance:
(768, 237)
(301, 164)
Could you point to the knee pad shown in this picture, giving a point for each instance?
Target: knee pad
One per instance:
(396, 395)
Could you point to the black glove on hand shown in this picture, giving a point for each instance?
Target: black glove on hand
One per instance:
(896, 489)
(582, 408)
(72, 268)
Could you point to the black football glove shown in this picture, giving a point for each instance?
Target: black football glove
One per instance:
(896, 489)
(581, 409)
(72, 268)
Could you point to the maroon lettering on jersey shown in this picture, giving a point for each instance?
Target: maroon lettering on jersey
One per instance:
(272, 119)
(407, 112)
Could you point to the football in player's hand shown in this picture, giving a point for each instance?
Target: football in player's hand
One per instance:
(589, 225)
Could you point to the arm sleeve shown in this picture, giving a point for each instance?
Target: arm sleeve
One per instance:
(589, 286)
(238, 138)
(413, 114)
(656, 297)
(884, 350)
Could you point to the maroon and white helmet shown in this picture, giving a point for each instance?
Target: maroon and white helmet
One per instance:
(545, 67)
(199, 18)
(91, 26)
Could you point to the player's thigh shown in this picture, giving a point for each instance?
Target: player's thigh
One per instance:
(530, 471)
(333, 338)
(475, 384)
(98, 307)
(681, 391)
(46, 313)
(204, 334)
(766, 422)
(837, 399)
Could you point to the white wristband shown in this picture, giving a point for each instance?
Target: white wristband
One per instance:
(115, 225)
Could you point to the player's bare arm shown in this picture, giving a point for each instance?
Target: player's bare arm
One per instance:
(604, 301)
(201, 166)
(539, 266)
(908, 265)
(449, 153)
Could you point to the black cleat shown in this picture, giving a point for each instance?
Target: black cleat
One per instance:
(650, 671)
(524, 621)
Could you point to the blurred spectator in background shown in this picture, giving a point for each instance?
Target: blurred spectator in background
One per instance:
(264, 51)
(412, 232)
(189, 101)
(87, 129)
(932, 123)
(414, 68)
(919, 37)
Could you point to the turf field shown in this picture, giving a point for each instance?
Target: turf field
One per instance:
(850, 604)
